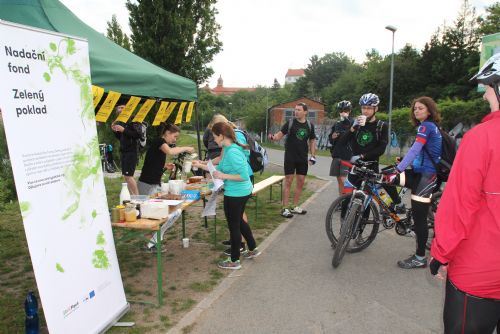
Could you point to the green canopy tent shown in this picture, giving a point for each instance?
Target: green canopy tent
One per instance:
(112, 67)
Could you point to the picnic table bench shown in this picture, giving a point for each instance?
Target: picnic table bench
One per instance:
(267, 183)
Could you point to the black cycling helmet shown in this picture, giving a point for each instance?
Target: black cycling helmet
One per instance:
(369, 100)
(344, 105)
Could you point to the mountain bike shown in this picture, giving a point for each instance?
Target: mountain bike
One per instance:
(353, 220)
(107, 161)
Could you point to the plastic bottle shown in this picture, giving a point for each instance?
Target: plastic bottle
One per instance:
(31, 323)
(385, 198)
(124, 193)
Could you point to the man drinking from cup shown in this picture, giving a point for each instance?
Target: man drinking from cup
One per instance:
(368, 140)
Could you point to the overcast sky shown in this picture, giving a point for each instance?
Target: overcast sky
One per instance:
(263, 38)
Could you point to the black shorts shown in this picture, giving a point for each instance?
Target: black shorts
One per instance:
(422, 185)
(296, 167)
(129, 162)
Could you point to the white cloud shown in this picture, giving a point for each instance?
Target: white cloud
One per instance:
(263, 38)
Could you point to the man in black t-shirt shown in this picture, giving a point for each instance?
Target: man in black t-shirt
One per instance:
(300, 139)
(340, 152)
(128, 134)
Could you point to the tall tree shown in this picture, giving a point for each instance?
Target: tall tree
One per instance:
(452, 55)
(491, 23)
(276, 84)
(115, 33)
(181, 36)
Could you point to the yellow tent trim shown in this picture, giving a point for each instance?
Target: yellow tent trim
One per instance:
(107, 106)
(160, 113)
(189, 112)
(128, 109)
(178, 119)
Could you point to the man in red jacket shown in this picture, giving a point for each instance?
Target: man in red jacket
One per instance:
(468, 222)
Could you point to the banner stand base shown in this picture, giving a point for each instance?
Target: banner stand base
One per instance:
(124, 324)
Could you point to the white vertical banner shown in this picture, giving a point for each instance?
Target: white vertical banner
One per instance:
(48, 114)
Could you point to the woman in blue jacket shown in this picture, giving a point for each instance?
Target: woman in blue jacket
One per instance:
(421, 178)
(233, 170)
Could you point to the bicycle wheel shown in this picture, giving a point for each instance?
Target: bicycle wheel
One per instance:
(346, 232)
(431, 216)
(368, 228)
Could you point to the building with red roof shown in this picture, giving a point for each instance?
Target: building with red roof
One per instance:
(228, 91)
(292, 75)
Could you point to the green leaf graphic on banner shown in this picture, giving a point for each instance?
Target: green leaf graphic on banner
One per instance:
(100, 259)
(86, 159)
(59, 268)
(94, 213)
(25, 206)
(71, 49)
(101, 241)
(25, 209)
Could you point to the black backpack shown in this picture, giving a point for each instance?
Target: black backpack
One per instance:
(448, 152)
(258, 156)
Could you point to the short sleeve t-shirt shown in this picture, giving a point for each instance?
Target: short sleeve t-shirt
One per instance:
(153, 163)
(428, 134)
(296, 145)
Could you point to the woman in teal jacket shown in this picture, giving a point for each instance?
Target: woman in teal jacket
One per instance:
(233, 170)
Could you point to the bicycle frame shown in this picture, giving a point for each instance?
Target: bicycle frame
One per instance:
(369, 191)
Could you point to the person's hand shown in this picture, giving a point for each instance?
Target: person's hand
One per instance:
(218, 175)
(434, 266)
(271, 137)
(335, 135)
(355, 124)
(190, 149)
(397, 160)
(355, 158)
(117, 128)
(389, 175)
(197, 163)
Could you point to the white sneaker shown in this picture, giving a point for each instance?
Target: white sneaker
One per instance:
(298, 210)
(286, 213)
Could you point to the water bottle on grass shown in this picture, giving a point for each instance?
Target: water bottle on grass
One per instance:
(32, 324)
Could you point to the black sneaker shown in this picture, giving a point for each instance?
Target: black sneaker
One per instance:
(228, 251)
(412, 262)
(226, 242)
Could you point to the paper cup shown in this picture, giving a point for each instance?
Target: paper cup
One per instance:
(187, 166)
(164, 188)
(362, 120)
(185, 242)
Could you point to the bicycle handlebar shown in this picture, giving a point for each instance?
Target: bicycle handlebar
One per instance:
(360, 168)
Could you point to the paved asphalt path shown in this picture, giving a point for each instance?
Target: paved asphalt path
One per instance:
(292, 287)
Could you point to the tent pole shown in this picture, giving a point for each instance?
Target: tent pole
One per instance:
(197, 129)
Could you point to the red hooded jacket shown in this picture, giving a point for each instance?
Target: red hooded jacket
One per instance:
(468, 218)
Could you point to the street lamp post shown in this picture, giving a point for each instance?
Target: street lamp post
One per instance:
(393, 29)
(230, 110)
